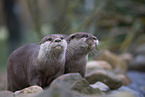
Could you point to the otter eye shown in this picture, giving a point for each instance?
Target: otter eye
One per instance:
(49, 39)
(95, 38)
(72, 37)
(85, 36)
(62, 38)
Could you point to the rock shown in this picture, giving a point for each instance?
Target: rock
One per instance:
(98, 64)
(140, 50)
(103, 65)
(69, 85)
(58, 92)
(105, 76)
(6, 94)
(83, 87)
(126, 57)
(30, 91)
(101, 86)
(138, 63)
(117, 64)
(68, 79)
(121, 94)
(75, 82)
(125, 79)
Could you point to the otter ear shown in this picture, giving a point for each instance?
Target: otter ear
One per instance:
(42, 41)
(69, 38)
(65, 36)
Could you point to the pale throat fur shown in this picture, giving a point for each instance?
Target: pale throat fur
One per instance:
(52, 49)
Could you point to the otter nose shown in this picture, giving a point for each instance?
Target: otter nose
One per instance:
(90, 41)
(58, 40)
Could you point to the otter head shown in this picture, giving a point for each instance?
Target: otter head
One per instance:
(82, 42)
(52, 45)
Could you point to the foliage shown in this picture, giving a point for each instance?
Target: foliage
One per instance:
(119, 22)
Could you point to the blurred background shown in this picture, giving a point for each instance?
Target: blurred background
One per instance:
(118, 24)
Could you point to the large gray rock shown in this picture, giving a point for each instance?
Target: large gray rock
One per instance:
(83, 87)
(6, 94)
(105, 76)
(28, 92)
(58, 92)
(103, 66)
(70, 85)
(126, 57)
(118, 65)
(74, 81)
(125, 79)
(91, 65)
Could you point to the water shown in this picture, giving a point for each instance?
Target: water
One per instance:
(137, 85)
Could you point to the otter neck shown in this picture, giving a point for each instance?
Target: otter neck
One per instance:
(47, 56)
(75, 52)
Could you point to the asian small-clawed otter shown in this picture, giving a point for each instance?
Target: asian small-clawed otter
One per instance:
(35, 64)
(79, 45)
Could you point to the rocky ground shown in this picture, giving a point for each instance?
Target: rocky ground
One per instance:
(108, 75)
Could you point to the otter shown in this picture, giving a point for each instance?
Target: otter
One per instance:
(79, 45)
(37, 64)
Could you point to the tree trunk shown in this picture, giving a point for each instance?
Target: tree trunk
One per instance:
(12, 23)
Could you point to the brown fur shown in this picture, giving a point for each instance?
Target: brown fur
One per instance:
(79, 45)
(25, 69)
